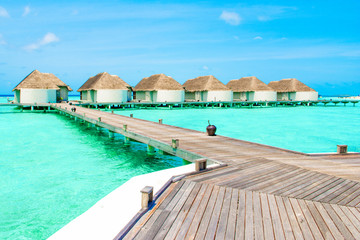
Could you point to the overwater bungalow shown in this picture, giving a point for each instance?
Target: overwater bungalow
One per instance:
(251, 89)
(40, 87)
(158, 88)
(294, 90)
(105, 88)
(206, 89)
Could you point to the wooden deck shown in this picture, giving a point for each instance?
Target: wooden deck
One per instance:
(263, 192)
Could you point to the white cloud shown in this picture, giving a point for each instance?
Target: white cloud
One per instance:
(75, 12)
(205, 68)
(258, 38)
(3, 12)
(26, 11)
(231, 18)
(2, 41)
(236, 38)
(47, 39)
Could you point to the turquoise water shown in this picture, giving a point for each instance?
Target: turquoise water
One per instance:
(53, 169)
(306, 129)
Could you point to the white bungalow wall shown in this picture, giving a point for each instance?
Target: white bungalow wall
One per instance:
(306, 96)
(37, 95)
(263, 96)
(217, 96)
(111, 95)
(170, 96)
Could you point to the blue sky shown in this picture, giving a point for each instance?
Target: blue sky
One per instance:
(317, 42)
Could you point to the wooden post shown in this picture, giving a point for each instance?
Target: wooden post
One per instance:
(131, 115)
(126, 141)
(160, 121)
(125, 127)
(341, 149)
(150, 150)
(111, 134)
(146, 196)
(99, 119)
(112, 111)
(200, 164)
(175, 143)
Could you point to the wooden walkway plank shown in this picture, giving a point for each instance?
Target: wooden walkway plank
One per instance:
(249, 216)
(310, 220)
(301, 219)
(266, 216)
(351, 216)
(231, 226)
(328, 221)
(258, 222)
(276, 179)
(337, 221)
(173, 213)
(275, 216)
(191, 214)
(339, 191)
(199, 213)
(321, 192)
(224, 215)
(213, 224)
(288, 232)
(314, 187)
(207, 215)
(155, 220)
(290, 184)
(240, 223)
(346, 221)
(319, 221)
(351, 199)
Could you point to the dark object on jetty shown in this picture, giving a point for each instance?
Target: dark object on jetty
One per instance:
(73, 109)
(211, 129)
(70, 103)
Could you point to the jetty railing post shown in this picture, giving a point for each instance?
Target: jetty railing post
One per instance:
(111, 134)
(160, 121)
(342, 149)
(131, 115)
(175, 143)
(150, 150)
(200, 164)
(146, 196)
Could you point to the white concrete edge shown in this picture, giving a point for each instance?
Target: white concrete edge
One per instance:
(111, 214)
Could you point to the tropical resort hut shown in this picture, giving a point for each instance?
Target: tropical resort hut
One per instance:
(40, 87)
(105, 88)
(206, 89)
(293, 90)
(251, 89)
(158, 88)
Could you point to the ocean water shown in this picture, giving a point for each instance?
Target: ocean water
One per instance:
(53, 169)
(313, 129)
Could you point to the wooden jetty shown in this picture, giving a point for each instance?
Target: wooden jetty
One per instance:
(258, 192)
(235, 104)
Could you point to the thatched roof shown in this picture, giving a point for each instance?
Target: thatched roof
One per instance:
(248, 84)
(158, 82)
(104, 81)
(204, 83)
(290, 85)
(38, 80)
